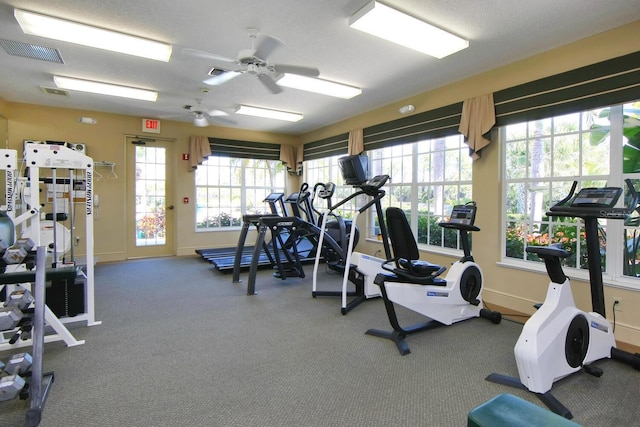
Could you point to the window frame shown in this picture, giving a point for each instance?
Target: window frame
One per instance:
(379, 164)
(246, 202)
(614, 273)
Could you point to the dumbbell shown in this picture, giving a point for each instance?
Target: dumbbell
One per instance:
(10, 386)
(12, 313)
(10, 317)
(20, 298)
(13, 383)
(18, 364)
(17, 252)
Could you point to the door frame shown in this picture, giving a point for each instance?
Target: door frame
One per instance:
(152, 251)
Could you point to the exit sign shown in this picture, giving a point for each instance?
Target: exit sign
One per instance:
(151, 125)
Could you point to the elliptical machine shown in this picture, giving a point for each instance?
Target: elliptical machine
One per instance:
(356, 268)
(415, 284)
(559, 339)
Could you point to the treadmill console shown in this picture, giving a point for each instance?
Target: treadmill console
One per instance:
(274, 197)
(292, 198)
(463, 214)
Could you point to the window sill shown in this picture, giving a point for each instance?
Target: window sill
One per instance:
(572, 273)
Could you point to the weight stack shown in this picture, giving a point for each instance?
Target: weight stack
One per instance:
(65, 297)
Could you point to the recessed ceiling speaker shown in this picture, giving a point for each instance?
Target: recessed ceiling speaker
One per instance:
(406, 109)
(87, 120)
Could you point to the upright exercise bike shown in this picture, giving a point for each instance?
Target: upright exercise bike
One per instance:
(559, 339)
(416, 284)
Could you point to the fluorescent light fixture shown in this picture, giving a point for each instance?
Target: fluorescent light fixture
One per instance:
(324, 87)
(269, 114)
(382, 21)
(74, 32)
(105, 88)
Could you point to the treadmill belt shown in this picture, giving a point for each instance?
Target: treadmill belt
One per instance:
(223, 258)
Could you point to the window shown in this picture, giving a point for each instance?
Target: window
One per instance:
(541, 160)
(227, 188)
(428, 178)
(327, 170)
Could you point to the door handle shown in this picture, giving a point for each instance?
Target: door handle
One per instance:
(170, 207)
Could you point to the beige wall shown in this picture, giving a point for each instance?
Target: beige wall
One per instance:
(105, 142)
(516, 290)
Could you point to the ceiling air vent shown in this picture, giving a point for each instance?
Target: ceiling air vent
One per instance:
(54, 91)
(31, 51)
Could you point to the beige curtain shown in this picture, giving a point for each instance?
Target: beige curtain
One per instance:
(199, 150)
(478, 117)
(356, 141)
(290, 156)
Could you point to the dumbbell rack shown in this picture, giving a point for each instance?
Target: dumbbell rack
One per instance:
(39, 384)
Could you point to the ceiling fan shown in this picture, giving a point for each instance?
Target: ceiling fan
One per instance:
(202, 116)
(252, 61)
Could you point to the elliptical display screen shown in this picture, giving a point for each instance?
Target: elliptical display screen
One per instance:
(355, 169)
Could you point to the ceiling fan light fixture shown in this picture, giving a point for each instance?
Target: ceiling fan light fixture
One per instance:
(37, 24)
(200, 121)
(321, 86)
(269, 114)
(390, 24)
(105, 88)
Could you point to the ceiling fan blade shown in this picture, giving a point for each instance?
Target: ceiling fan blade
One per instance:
(221, 78)
(224, 120)
(296, 69)
(267, 46)
(217, 113)
(172, 116)
(269, 83)
(207, 55)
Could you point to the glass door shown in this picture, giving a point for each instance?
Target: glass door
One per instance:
(150, 213)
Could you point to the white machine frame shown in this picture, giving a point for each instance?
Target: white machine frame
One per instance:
(37, 156)
(367, 265)
(443, 301)
(443, 304)
(540, 355)
(559, 339)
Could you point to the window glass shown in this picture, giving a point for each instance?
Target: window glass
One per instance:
(427, 178)
(227, 188)
(542, 158)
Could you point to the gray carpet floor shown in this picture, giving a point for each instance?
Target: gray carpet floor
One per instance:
(180, 345)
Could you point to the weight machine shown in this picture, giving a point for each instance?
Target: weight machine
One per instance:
(53, 157)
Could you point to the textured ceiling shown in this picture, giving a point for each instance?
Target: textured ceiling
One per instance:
(314, 34)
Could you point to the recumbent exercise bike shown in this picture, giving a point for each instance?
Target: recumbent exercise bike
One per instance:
(416, 284)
